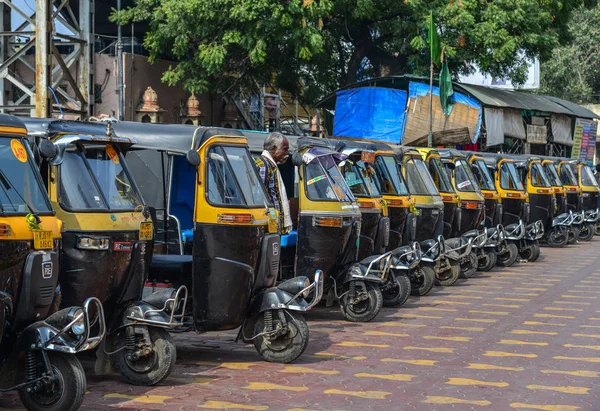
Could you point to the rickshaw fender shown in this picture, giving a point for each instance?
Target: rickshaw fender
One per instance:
(136, 309)
(269, 299)
(37, 334)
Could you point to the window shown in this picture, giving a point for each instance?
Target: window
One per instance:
(482, 174)
(465, 181)
(587, 177)
(389, 179)
(552, 173)
(538, 176)
(439, 176)
(418, 178)
(509, 180)
(566, 175)
(94, 177)
(325, 182)
(360, 177)
(19, 182)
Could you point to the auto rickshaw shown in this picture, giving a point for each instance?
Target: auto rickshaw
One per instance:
(360, 168)
(429, 210)
(218, 235)
(38, 343)
(590, 203)
(107, 246)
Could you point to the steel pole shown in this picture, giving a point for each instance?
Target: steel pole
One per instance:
(120, 66)
(43, 29)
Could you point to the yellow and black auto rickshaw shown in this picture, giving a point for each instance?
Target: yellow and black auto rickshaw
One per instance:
(590, 199)
(219, 236)
(38, 342)
(570, 182)
(107, 246)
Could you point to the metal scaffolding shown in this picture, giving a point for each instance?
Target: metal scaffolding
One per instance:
(44, 71)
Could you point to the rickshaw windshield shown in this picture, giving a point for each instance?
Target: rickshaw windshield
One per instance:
(439, 176)
(19, 185)
(552, 173)
(389, 179)
(360, 177)
(96, 178)
(232, 178)
(566, 175)
(587, 177)
(509, 179)
(538, 176)
(465, 180)
(325, 182)
(482, 174)
(418, 178)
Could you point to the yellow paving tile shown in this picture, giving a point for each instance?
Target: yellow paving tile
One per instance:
(529, 332)
(477, 320)
(571, 302)
(431, 349)
(391, 377)
(583, 359)
(586, 347)
(578, 296)
(265, 386)
(526, 294)
(594, 319)
(568, 317)
(345, 357)
(459, 339)
(295, 369)
(563, 389)
(360, 344)
(476, 329)
(226, 405)
(578, 373)
(590, 326)
(427, 363)
(516, 342)
(530, 289)
(228, 365)
(562, 309)
(144, 399)
(541, 323)
(502, 305)
(489, 312)
(476, 366)
(437, 309)
(470, 297)
(544, 407)
(384, 334)
(512, 299)
(586, 335)
(479, 292)
(450, 302)
(468, 381)
(412, 316)
(490, 286)
(451, 400)
(508, 354)
(402, 324)
(369, 395)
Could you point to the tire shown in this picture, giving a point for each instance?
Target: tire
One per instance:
(587, 232)
(488, 261)
(469, 267)
(426, 281)
(557, 240)
(153, 368)
(509, 257)
(573, 235)
(535, 254)
(396, 291)
(597, 229)
(450, 276)
(67, 390)
(285, 348)
(365, 310)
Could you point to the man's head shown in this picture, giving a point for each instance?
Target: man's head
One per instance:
(278, 146)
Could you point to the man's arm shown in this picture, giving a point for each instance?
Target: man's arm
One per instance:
(262, 169)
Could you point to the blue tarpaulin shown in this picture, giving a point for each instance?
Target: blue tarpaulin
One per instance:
(371, 113)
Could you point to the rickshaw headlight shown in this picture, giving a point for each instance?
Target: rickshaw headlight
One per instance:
(306, 292)
(78, 328)
(295, 285)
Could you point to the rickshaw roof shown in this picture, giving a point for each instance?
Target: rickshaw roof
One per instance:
(256, 140)
(522, 160)
(52, 126)
(177, 138)
(6, 120)
(405, 150)
(450, 154)
(359, 145)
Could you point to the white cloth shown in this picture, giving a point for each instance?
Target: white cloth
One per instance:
(285, 205)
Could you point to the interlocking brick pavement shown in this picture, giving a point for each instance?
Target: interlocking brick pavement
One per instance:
(523, 338)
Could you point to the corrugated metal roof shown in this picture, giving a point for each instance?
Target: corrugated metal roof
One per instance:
(579, 111)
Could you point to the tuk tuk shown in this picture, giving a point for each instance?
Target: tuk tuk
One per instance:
(429, 210)
(38, 342)
(107, 246)
(364, 163)
(590, 203)
(218, 235)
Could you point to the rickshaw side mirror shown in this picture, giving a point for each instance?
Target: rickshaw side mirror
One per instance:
(193, 158)
(297, 159)
(47, 149)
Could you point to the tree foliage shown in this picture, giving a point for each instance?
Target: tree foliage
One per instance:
(573, 71)
(310, 47)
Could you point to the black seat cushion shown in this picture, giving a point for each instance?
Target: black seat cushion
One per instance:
(171, 268)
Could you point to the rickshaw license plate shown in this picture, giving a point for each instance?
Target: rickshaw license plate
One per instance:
(43, 240)
(273, 226)
(146, 231)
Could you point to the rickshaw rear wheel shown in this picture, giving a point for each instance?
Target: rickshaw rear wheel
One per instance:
(488, 261)
(366, 309)
(587, 232)
(425, 284)
(573, 236)
(152, 368)
(531, 253)
(396, 290)
(284, 348)
(469, 267)
(556, 237)
(64, 393)
(450, 276)
(509, 257)
(597, 229)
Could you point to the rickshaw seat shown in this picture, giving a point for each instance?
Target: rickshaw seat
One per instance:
(289, 240)
(166, 266)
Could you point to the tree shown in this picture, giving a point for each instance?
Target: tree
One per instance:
(573, 71)
(311, 47)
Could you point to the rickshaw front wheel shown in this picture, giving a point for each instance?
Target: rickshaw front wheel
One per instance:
(573, 236)
(284, 347)
(597, 229)
(425, 281)
(488, 261)
(396, 290)
(449, 275)
(587, 232)
(468, 267)
(64, 392)
(364, 305)
(531, 253)
(151, 368)
(509, 255)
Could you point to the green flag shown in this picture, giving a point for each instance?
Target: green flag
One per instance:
(434, 41)
(446, 90)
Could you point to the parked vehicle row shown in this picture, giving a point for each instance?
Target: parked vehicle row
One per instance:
(116, 235)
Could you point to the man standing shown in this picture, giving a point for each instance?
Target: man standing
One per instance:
(276, 151)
